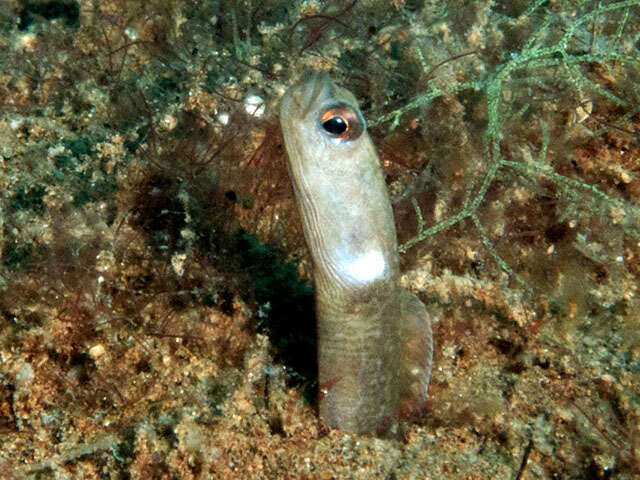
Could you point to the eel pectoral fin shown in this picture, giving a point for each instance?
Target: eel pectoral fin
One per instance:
(416, 354)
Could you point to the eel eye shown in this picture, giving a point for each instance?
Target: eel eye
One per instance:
(335, 125)
(342, 122)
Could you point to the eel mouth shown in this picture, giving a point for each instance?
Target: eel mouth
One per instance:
(312, 89)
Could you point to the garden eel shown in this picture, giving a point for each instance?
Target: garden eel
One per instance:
(374, 338)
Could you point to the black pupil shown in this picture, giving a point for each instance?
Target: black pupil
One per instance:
(335, 125)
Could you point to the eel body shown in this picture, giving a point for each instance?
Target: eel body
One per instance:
(374, 338)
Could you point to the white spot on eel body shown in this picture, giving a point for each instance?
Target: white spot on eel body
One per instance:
(366, 267)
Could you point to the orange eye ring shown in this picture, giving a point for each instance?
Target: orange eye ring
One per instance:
(342, 122)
